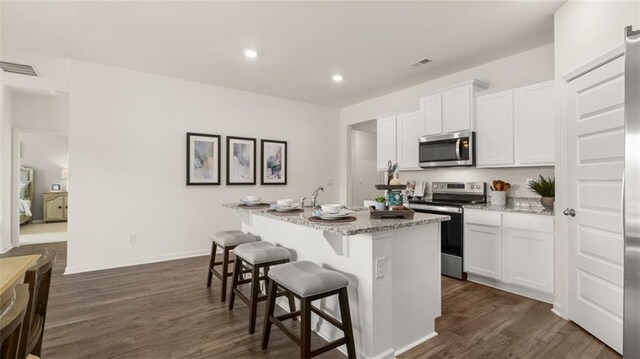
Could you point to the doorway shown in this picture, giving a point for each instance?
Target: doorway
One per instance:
(363, 171)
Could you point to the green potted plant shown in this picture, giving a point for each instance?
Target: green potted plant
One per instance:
(546, 188)
(381, 203)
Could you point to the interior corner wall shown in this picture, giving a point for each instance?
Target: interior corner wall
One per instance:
(127, 160)
(583, 31)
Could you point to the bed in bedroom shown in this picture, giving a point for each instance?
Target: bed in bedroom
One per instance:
(25, 202)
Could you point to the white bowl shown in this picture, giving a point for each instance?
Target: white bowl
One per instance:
(331, 208)
(285, 202)
(253, 198)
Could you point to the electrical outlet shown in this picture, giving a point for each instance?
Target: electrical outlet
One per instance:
(132, 239)
(380, 267)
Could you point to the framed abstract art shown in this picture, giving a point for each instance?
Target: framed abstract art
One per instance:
(274, 162)
(241, 161)
(203, 159)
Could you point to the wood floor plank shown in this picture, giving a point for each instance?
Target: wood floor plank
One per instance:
(165, 310)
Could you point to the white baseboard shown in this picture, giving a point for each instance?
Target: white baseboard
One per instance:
(6, 249)
(557, 310)
(415, 344)
(512, 288)
(136, 261)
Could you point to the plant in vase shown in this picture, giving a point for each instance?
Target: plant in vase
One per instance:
(381, 203)
(546, 188)
(390, 171)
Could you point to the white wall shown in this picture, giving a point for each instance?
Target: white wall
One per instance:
(5, 162)
(363, 166)
(584, 31)
(127, 158)
(47, 154)
(32, 110)
(517, 68)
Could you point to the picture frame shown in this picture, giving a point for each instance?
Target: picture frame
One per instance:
(203, 159)
(56, 187)
(273, 161)
(241, 160)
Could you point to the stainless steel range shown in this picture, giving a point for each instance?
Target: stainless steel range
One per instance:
(448, 198)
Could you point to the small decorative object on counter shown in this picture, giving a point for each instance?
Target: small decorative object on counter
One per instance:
(546, 188)
(499, 193)
(390, 171)
(381, 203)
(395, 180)
(400, 212)
(394, 198)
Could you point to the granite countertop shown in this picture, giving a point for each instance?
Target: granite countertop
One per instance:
(363, 224)
(513, 208)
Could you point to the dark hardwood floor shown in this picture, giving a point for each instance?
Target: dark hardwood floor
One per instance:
(165, 310)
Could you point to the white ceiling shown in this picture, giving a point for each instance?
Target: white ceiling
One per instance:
(301, 44)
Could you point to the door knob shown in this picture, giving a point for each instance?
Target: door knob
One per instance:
(569, 212)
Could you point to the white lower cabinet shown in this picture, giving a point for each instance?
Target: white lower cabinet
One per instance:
(510, 251)
(483, 250)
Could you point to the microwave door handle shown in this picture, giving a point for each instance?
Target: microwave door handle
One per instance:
(458, 141)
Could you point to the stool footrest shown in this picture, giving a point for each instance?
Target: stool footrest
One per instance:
(327, 317)
(334, 344)
(285, 329)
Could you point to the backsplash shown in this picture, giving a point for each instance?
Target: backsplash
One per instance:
(517, 177)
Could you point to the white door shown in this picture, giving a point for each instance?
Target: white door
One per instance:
(456, 113)
(431, 111)
(535, 123)
(386, 142)
(595, 120)
(483, 250)
(494, 122)
(409, 129)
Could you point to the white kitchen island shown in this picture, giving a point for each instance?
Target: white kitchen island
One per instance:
(393, 267)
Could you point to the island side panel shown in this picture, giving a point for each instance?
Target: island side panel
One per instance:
(369, 298)
(416, 285)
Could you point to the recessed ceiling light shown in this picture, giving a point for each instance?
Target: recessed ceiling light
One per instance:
(251, 53)
(337, 78)
(53, 92)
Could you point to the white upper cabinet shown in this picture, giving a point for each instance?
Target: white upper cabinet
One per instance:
(494, 121)
(516, 127)
(456, 105)
(451, 109)
(386, 137)
(431, 112)
(409, 127)
(535, 123)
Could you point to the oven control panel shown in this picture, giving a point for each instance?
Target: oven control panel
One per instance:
(459, 187)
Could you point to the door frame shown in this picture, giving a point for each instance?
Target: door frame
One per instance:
(15, 174)
(561, 304)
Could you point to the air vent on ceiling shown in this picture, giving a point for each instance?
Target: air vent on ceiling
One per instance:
(420, 62)
(18, 68)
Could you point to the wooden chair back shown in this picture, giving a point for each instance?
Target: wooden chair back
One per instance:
(10, 322)
(38, 277)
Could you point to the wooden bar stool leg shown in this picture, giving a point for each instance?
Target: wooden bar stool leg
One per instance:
(237, 268)
(213, 259)
(225, 273)
(271, 305)
(305, 328)
(255, 287)
(345, 313)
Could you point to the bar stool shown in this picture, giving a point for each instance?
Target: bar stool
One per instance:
(227, 241)
(255, 256)
(308, 282)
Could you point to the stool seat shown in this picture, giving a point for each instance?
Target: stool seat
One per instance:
(306, 278)
(232, 238)
(261, 252)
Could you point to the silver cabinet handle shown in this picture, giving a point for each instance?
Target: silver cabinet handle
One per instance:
(569, 212)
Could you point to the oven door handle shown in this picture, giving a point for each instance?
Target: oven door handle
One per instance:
(427, 207)
(458, 141)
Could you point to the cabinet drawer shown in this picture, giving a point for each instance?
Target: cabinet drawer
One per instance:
(487, 218)
(532, 222)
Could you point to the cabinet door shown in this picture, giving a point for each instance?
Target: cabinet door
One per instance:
(386, 142)
(456, 109)
(483, 250)
(54, 208)
(494, 123)
(535, 123)
(431, 112)
(530, 259)
(66, 207)
(409, 129)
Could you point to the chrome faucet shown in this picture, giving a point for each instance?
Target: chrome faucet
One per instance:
(314, 197)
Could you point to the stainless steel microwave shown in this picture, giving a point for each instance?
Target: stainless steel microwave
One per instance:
(449, 150)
